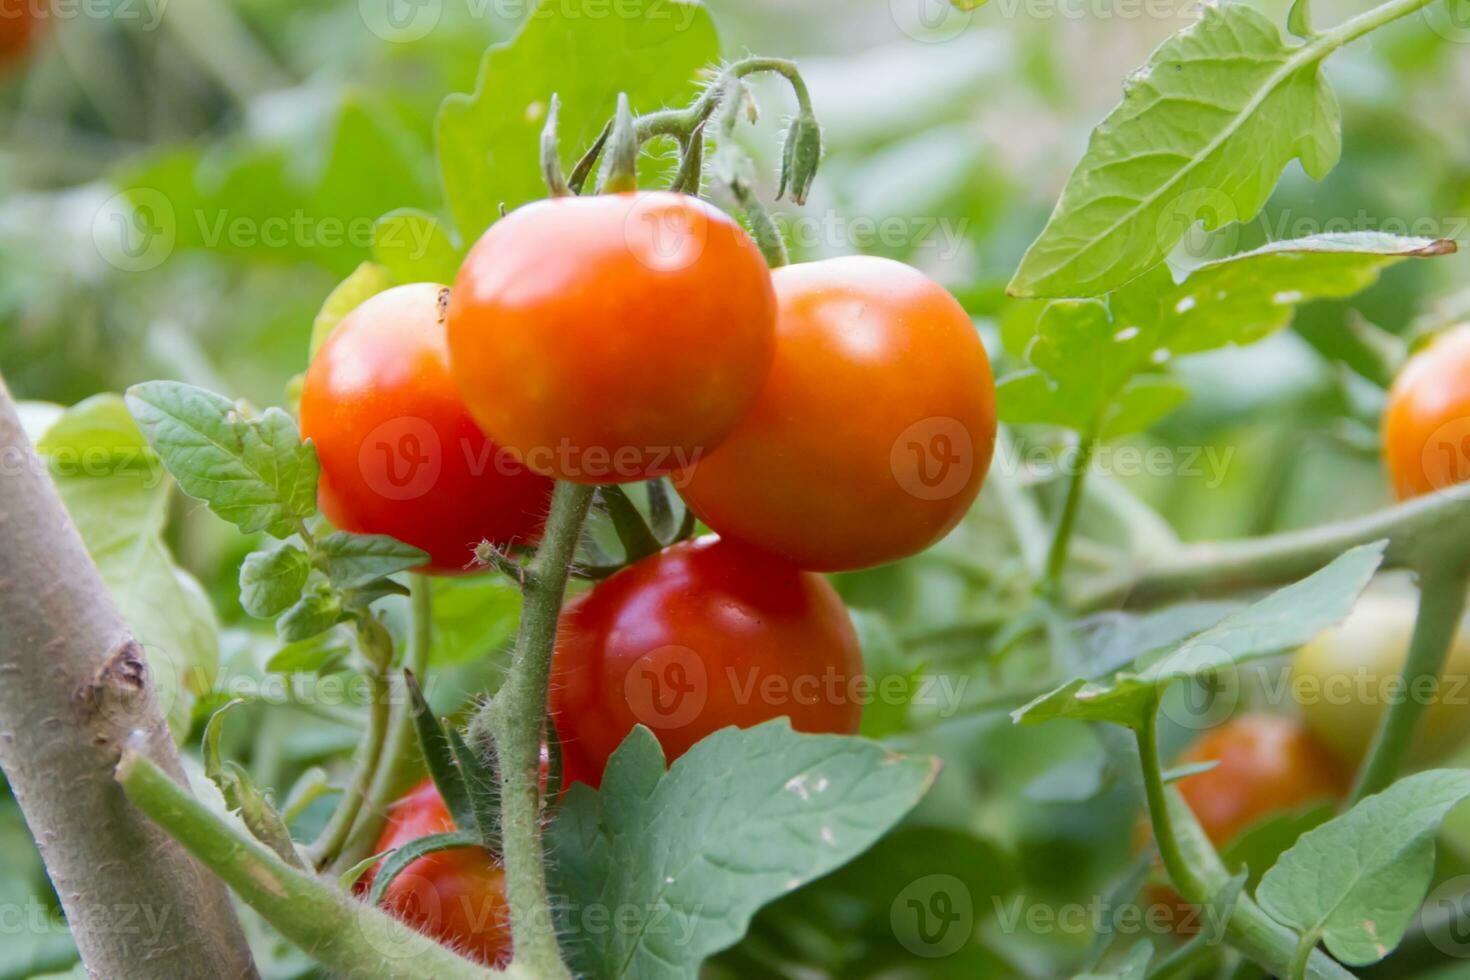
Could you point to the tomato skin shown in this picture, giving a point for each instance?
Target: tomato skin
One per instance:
(400, 454)
(21, 22)
(1268, 764)
(1345, 678)
(875, 428)
(612, 338)
(1426, 424)
(456, 897)
(704, 634)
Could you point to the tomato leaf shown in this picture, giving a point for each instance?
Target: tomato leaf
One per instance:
(313, 614)
(415, 246)
(1133, 967)
(252, 471)
(489, 141)
(1203, 133)
(1282, 621)
(352, 561)
(271, 581)
(482, 786)
(473, 616)
(742, 818)
(241, 796)
(394, 864)
(439, 757)
(117, 494)
(1359, 879)
(320, 654)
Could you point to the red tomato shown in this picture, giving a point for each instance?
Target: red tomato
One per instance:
(400, 454)
(20, 22)
(457, 897)
(702, 635)
(612, 338)
(1426, 425)
(875, 428)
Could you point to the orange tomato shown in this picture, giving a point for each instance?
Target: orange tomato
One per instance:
(1426, 425)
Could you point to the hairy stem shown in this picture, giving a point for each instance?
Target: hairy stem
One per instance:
(1441, 605)
(518, 721)
(74, 686)
(347, 937)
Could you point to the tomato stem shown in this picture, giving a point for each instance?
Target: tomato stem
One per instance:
(556, 181)
(517, 717)
(1056, 559)
(1441, 605)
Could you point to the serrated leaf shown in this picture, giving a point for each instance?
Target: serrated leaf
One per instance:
(1359, 879)
(365, 282)
(488, 142)
(394, 864)
(415, 246)
(743, 817)
(369, 593)
(271, 581)
(117, 494)
(1260, 846)
(312, 615)
(1282, 621)
(352, 561)
(253, 472)
(1203, 133)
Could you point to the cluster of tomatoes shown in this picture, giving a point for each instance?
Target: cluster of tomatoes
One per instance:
(819, 417)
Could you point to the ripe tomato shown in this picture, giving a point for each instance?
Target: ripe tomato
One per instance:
(1344, 679)
(1268, 764)
(400, 454)
(1426, 425)
(612, 338)
(457, 897)
(705, 634)
(874, 431)
(20, 22)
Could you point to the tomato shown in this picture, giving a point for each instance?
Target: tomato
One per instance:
(1268, 764)
(399, 451)
(458, 896)
(874, 431)
(612, 338)
(704, 634)
(1344, 679)
(1426, 425)
(20, 22)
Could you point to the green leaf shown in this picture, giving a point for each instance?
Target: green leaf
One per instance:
(439, 756)
(489, 142)
(482, 785)
(473, 616)
(319, 654)
(366, 281)
(352, 561)
(253, 472)
(117, 494)
(394, 864)
(1282, 621)
(1359, 879)
(271, 581)
(894, 677)
(313, 615)
(1203, 133)
(742, 818)
(1259, 847)
(241, 796)
(416, 247)
(1133, 967)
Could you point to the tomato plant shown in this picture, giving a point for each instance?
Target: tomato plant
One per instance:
(702, 635)
(613, 338)
(880, 386)
(1426, 425)
(400, 454)
(458, 896)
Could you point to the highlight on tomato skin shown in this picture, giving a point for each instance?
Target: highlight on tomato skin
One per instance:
(1426, 424)
(874, 432)
(456, 897)
(705, 634)
(400, 454)
(612, 338)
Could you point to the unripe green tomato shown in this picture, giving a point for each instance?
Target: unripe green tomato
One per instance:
(1345, 678)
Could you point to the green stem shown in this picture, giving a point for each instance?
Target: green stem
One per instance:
(1441, 606)
(1365, 23)
(1023, 517)
(400, 762)
(1435, 524)
(1303, 954)
(1196, 871)
(343, 935)
(1056, 559)
(518, 720)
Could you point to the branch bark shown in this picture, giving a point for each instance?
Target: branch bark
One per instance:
(74, 687)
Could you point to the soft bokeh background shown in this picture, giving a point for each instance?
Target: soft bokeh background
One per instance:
(949, 135)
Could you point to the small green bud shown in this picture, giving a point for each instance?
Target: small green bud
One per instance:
(800, 155)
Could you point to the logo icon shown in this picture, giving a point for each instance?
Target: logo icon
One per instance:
(930, 21)
(135, 231)
(1445, 917)
(400, 20)
(1200, 223)
(662, 237)
(933, 916)
(401, 459)
(667, 687)
(933, 459)
(1446, 455)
